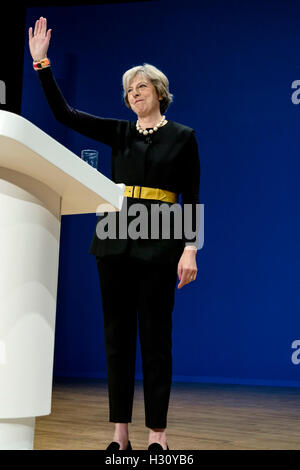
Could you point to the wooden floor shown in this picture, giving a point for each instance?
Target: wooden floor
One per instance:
(201, 416)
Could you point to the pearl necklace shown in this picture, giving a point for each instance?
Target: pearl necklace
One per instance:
(155, 128)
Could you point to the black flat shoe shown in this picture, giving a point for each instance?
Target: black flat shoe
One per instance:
(157, 448)
(115, 447)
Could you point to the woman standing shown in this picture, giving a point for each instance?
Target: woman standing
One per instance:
(157, 160)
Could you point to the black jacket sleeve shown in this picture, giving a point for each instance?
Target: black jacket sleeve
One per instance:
(190, 192)
(104, 130)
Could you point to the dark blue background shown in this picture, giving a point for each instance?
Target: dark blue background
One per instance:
(231, 65)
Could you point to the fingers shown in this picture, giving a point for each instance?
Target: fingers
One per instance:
(186, 269)
(43, 26)
(186, 277)
(40, 27)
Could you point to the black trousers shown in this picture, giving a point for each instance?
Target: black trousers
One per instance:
(136, 292)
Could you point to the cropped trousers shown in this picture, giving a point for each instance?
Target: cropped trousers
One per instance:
(138, 296)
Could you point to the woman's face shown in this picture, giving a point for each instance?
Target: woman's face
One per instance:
(142, 96)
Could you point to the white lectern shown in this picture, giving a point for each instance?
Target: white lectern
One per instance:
(40, 180)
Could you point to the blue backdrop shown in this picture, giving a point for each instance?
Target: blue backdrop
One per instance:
(232, 67)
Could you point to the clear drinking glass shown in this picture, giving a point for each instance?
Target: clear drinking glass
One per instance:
(90, 156)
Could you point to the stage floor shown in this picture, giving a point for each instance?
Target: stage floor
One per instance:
(201, 417)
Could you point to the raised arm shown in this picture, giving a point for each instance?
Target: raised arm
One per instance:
(102, 129)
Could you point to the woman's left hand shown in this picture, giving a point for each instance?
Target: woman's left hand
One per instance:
(187, 267)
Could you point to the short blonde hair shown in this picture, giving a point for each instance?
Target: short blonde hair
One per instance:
(158, 80)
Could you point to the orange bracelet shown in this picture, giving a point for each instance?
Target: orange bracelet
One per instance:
(41, 64)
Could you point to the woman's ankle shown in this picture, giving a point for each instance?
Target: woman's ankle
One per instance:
(121, 434)
(159, 436)
(123, 443)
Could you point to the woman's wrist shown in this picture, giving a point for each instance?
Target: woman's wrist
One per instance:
(41, 64)
(191, 248)
(39, 59)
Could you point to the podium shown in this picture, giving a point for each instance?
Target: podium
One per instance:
(40, 180)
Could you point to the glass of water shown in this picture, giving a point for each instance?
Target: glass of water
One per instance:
(90, 156)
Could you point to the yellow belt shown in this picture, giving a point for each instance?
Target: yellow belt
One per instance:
(150, 193)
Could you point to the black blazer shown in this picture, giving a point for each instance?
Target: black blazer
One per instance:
(168, 159)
